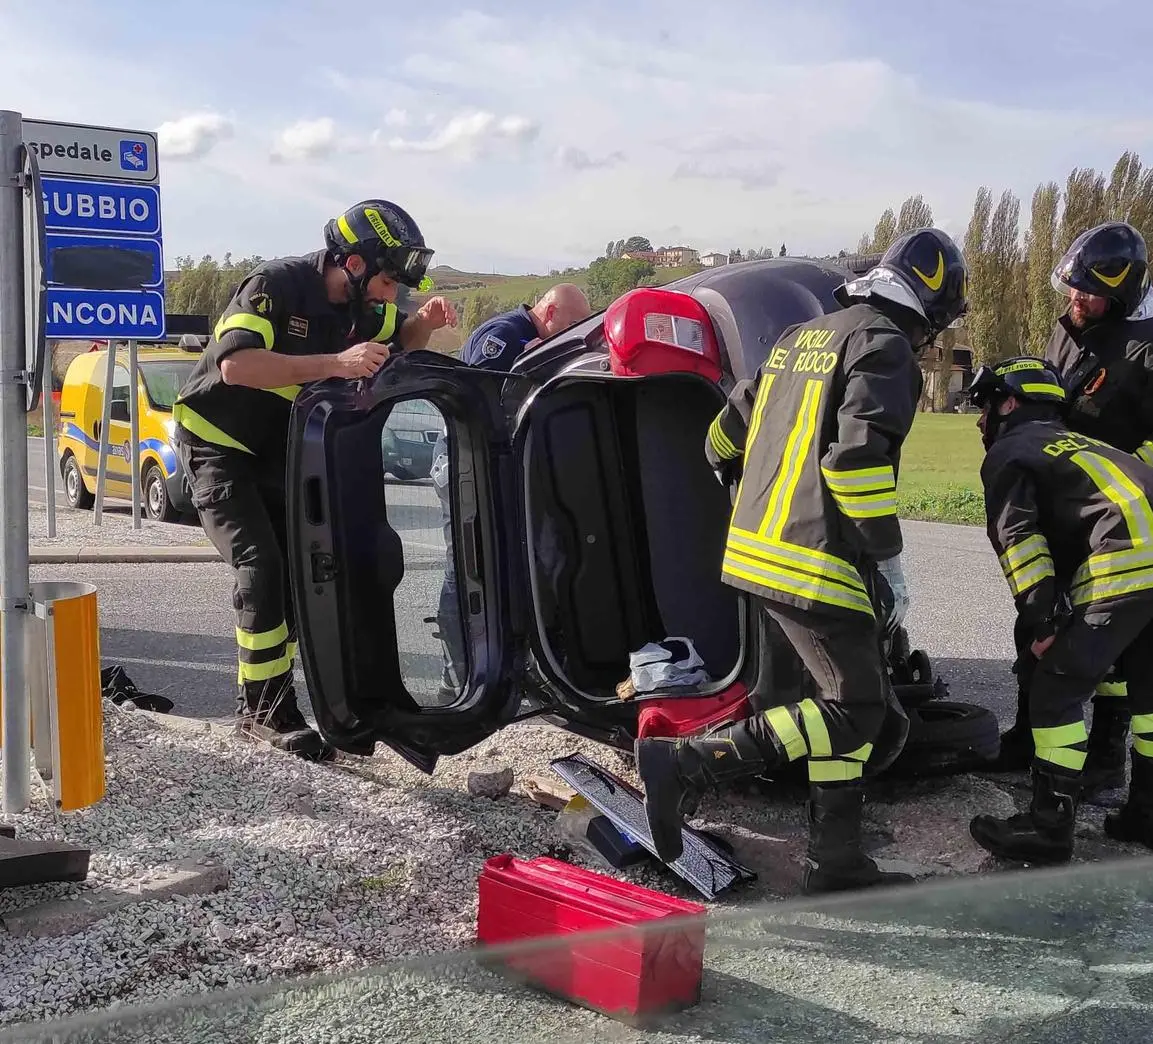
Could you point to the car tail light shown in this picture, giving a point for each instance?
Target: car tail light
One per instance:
(652, 330)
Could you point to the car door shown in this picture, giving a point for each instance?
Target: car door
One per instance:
(119, 467)
(401, 588)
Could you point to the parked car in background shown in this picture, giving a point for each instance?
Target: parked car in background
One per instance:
(161, 374)
(409, 438)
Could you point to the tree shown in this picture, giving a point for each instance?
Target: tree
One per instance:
(205, 288)
(883, 234)
(610, 250)
(735, 256)
(783, 251)
(980, 320)
(611, 277)
(636, 243)
(1084, 204)
(479, 308)
(1005, 272)
(915, 213)
(1042, 303)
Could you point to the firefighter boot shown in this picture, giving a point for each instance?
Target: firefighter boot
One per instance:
(1044, 834)
(1016, 752)
(1105, 763)
(1134, 821)
(269, 712)
(836, 861)
(676, 772)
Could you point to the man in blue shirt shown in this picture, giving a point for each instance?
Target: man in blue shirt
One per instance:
(497, 342)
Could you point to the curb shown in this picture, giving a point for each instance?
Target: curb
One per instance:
(125, 553)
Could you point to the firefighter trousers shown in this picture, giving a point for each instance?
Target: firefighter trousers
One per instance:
(241, 503)
(1100, 635)
(855, 718)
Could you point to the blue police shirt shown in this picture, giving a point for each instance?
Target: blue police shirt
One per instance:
(498, 341)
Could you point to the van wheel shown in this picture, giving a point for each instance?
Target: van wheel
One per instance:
(157, 506)
(75, 492)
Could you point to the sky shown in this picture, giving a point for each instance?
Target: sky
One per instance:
(524, 136)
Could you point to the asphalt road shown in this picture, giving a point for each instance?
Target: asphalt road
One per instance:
(171, 625)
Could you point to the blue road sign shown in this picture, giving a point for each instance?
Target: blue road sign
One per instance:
(97, 314)
(105, 254)
(104, 207)
(103, 262)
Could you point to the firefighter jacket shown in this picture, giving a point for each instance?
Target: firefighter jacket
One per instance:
(1067, 512)
(820, 429)
(282, 306)
(1107, 370)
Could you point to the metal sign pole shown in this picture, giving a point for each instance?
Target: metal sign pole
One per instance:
(48, 408)
(134, 422)
(106, 420)
(15, 593)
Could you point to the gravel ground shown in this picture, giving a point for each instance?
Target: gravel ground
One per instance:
(341, 868)
(78, 528)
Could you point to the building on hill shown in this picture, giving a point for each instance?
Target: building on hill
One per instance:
(714, 260)
(676, 257)
(640, 255)
(960, 376)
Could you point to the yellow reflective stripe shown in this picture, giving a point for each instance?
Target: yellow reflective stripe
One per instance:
(345, 229)
(862, 480)
(1112, 689)
(781, 722)
(264, 671)
(755, 427)
(779, 579)
(1144, 452)
(245, 321)
(836, 771)
(1066, 757)
(1115, 485)
(861, 754)
(292, 648)
(1021, 580)
(1043, 389)
(209, 432)
(388, 327)
(819, 743)
(793, 556)
(1142, 723)
(289, 392)
(1143, 747)
(867, 506)
(257, 641)
(802, 438)
(1113, 562)
(1024, 551)
(1061, 735)
(1099, 590)
(721, 443)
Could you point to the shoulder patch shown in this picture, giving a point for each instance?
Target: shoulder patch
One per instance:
(492, 346)
(261, 302)
(297, 327)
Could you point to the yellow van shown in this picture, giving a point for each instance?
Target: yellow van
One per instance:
(162, 373)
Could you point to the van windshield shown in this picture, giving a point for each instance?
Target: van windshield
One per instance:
(163, 380)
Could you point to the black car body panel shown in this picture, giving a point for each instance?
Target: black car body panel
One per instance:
(584, 522)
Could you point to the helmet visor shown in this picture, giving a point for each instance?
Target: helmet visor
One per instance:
(984, 386)
(408, 265)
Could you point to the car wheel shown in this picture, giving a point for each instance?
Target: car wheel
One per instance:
(75, 492)
(947, 737)
(157, 506)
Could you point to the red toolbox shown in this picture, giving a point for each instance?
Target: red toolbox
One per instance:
(692, 715)
(640, 970)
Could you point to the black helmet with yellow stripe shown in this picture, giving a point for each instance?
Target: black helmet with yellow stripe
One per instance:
(1024, 377)
(1109, 260)
(924, 271)
(386, 238)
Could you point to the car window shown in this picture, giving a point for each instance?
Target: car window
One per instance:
(120, 384)
(163, 380)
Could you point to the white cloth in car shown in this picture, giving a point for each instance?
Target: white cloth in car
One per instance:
(672, 663)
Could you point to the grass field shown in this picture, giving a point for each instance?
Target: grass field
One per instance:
(941, 470)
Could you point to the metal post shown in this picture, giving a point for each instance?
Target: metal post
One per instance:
(106, 420)
(15, 594)
(47, 406)
(134, 418)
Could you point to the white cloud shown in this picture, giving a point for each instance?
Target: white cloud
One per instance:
(470, 134)
(396, 118)
(577, 159)
(193, 136)
(748, 176)
(306, 140)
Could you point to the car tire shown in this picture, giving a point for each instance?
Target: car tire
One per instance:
(947, 737)
(76, 494)
(157, 505)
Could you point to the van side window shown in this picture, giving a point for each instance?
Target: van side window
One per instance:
(120, 384)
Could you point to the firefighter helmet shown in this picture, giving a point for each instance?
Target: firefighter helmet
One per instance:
(1024, 377)
(386, 238)
(1109, 260)
(923, 271)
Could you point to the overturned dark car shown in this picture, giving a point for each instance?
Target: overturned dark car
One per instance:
(573, 525)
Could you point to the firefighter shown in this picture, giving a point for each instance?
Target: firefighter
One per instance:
(1070, 513)
(1102, 348)
(327, 314)
(816, 435)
